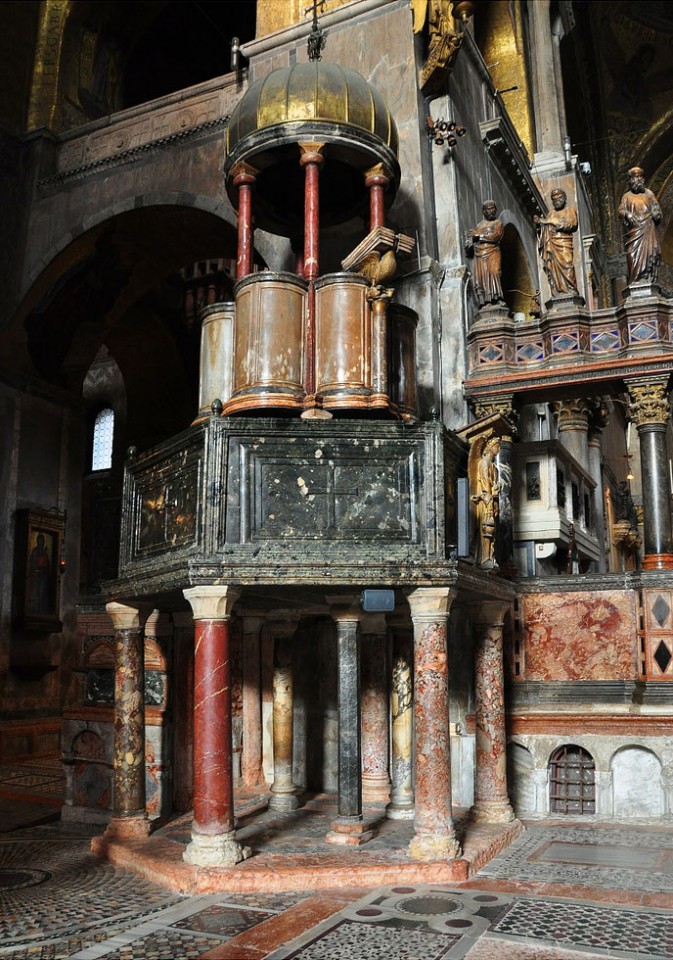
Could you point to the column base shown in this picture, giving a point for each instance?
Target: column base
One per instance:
(134, 827)
(658, 561)
(283, 802)
(221, 850)
(399, 810)
(375, 789)
(495, 811)
(434, 846)
(349, 831)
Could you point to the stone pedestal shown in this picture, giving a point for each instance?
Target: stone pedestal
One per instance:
(213, 842)
(130, 817)
(435, 836)
(375, 716)
(491, 802)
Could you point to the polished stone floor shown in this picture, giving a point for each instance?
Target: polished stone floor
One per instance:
(562, 891)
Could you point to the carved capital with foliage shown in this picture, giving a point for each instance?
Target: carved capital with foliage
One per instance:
(649, 402)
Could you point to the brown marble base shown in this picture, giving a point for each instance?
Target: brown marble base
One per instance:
(434, 846)
(658, 561)
(352, 833)
(128, 828)
(492, 811)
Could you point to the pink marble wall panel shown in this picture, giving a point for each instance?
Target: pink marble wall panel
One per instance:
(579, 636)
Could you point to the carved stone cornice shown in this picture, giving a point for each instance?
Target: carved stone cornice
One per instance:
(649, 402)
(511, 159)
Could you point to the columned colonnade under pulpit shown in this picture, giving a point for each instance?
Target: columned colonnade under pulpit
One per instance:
(394, 746)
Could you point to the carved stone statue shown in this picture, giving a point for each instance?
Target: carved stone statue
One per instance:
(556, 245)
(485, 485)
(483, 243)
(443, 41)
(640, 213)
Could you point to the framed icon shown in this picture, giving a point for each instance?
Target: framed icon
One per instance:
(37, 570)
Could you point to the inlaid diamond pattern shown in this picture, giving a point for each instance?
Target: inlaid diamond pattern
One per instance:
(564, 343)
(663, 656)
(608, 340)
(643, 331)
(530, 351)
(490, 354)
(661, 610)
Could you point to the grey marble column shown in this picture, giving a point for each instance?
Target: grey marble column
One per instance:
(651, 410)
(401, 806)
(375, 713)
(349, 827)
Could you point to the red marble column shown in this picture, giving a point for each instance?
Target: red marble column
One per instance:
(244, 179)
(130, 817)
(435, 836)
(375, 714)
(251, 758)
(376, 180)
(213, 838)
(311, 160)
(491, 801)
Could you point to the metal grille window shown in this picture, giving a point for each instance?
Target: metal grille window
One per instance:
(572, 781)
(103, 433)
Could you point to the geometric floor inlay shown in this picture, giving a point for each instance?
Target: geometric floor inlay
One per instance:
(600, 855)
(376, 942)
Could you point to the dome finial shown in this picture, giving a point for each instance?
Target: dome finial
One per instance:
(316, 38)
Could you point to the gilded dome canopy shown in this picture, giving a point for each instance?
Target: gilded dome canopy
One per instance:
(316, 101)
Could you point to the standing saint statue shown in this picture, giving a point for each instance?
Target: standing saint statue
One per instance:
(486, 486)
(556, 245)
(640, 213)
(483, 243)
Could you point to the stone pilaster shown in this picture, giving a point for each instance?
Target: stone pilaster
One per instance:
(213, 841)
(598, 419)
(283, 791)
(349, 827)
(491, 801)
(650, 409)
(130, 817)
(375, 714)
(251, 757)
(435, 835)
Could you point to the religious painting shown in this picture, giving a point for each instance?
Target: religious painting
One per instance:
(37, 570)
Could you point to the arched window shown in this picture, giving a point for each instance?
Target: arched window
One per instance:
(103, 435)
(572, 781)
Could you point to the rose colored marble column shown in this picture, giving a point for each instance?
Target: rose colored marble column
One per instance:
(213, 841)
(435, 836)
(650, 408)
(283, 791)
(130, 817)
(377, 179)
(401, 806)
(349, 827)
(311, 160)
(251, 757)
(375, 714)
(244, 179)
(491, 801)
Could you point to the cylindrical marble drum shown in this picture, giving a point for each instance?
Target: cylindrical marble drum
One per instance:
(217, 355)
(269, 343)
(342, 341)
(402, 360)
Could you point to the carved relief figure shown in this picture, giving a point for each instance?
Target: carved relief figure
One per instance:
(443, 42)
(483, 243)
(485, 483)
(556, 245)
(640, 213)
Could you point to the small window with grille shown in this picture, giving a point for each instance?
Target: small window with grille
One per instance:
(572, 781)
(103, 435)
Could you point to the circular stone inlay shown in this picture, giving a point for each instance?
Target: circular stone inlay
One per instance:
(369, 912)
(25, 877)
(427, 906)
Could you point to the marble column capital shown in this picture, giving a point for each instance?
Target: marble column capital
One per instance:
(491, 613)
(573, 414)
(212, 602)
(128, 616)
(650, 405)
(252, 623)
(346, 607)
(430, 603)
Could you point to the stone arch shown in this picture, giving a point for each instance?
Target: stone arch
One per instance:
(636, 782)
(518, 280)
